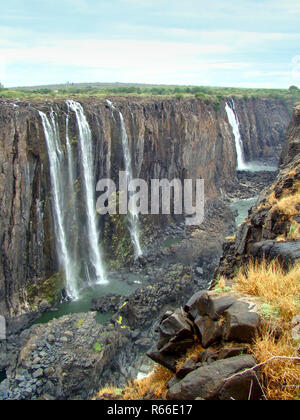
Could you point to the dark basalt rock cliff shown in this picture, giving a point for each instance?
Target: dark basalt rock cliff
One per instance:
(261, 125)
(168, 138)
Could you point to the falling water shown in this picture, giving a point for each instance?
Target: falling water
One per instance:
(85, 142)
(56, 162)
(133, 213)
(234, 122)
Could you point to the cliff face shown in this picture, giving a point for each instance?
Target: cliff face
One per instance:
(261, 123)
(272, 229)
(167, 138)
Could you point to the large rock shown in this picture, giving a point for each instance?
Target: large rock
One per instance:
(206, 303)
(286, 252)
(209, 382)
(210, 331)
(175, 329)
(176, 335)
(242, 387)
(241, 322)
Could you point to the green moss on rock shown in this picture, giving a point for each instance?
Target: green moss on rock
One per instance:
(45, 290)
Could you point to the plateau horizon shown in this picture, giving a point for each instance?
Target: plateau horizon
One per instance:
(165, 197)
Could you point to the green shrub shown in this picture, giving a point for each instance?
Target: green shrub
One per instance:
(97, 347)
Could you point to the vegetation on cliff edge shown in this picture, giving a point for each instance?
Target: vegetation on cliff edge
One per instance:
(215, 94)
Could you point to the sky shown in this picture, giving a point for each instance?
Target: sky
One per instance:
(238, 43)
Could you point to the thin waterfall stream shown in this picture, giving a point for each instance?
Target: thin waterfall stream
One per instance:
(242, 165)
(133, 213)
(133, 216)
(234, 122)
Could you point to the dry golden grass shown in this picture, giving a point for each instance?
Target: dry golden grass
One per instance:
(280, 291)
(287, 205)
(154, 386)
(281, 377)
(288, 201)
(191, 353)
(273, 285)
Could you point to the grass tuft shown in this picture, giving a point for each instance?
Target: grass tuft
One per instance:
(270, 282)
(280, 292)
(152, 387)
(281, 377)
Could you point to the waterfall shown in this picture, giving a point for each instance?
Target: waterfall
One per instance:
(133, 215)
(235, 124)
(86, 152)
(57, 174)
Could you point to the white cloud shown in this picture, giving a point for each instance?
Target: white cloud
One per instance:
(296, 69)
(113, 53)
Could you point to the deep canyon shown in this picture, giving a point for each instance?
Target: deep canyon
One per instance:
(49, 223)
(167, 139)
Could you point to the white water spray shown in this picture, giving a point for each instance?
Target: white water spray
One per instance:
(85, 142)
(56, 163)
(235, 124)
(133, 213)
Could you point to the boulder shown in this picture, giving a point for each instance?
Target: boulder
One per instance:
(208, 381)
(109, 303)
(210, 331)
(176, 336)
(287, 252)
(242, 387)
(206, 303)
(199, 304)
(167, 360)
(175, 329)
(189, 366)
(227, 352)
(241, 322)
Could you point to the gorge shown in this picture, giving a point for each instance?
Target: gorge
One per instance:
(54, 245)
(167, 139)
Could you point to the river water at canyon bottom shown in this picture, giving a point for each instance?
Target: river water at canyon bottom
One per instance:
(242, 207)
(122, 287)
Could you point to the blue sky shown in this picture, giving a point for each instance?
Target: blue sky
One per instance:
(243, 43)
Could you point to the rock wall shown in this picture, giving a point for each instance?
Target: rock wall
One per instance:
(168, 138)
(261, 123)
